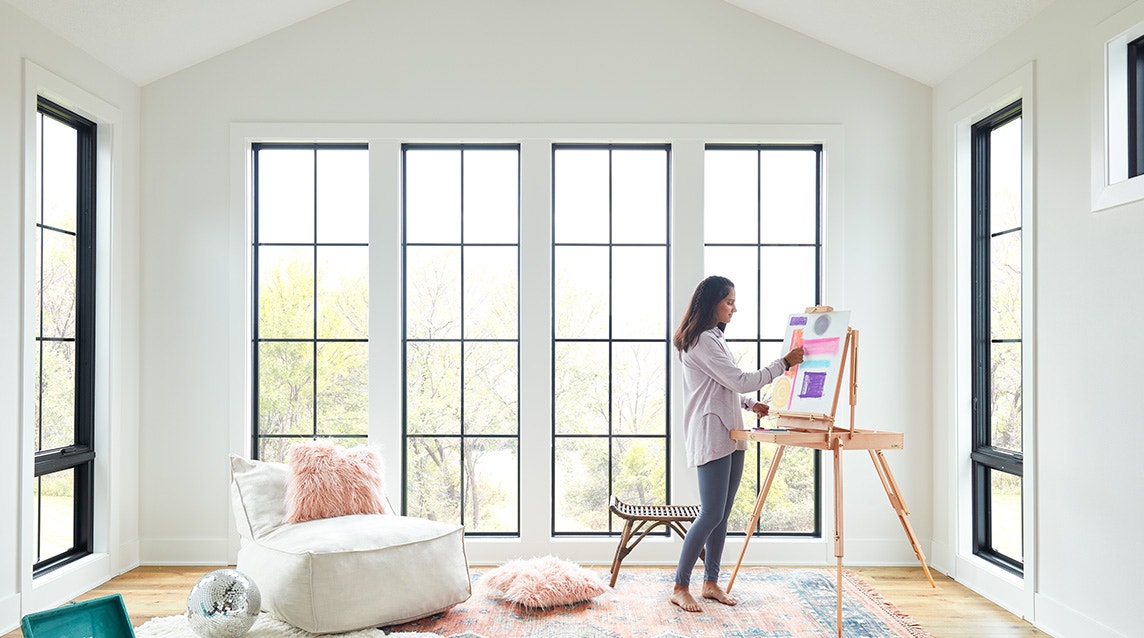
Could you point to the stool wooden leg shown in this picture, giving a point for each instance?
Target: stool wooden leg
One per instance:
(620, 552)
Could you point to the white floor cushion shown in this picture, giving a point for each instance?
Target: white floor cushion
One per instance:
(346, 573)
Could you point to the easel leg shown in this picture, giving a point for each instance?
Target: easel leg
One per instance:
(759, 502)
(899, 505)
(838, 545)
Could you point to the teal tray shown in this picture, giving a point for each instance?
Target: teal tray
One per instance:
(104, 617)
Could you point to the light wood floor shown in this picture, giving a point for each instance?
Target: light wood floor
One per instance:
(950, 610)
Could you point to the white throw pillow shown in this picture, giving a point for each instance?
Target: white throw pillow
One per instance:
(259, 498)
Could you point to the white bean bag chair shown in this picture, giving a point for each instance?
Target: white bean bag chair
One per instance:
(334, 575)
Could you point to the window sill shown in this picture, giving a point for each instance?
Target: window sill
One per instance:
(1106, 196)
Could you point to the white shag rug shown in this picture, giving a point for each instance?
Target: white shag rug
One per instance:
(265, 626)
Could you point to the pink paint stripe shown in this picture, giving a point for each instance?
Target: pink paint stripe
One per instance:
(820, 346)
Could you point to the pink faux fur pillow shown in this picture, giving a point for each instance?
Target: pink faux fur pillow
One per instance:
(327, 481)
(542, 582)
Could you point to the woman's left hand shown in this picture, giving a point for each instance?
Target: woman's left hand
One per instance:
(761, 409)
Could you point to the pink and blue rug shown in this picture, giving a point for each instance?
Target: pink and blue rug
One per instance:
(773, 603)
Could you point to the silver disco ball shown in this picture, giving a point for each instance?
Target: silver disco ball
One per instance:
(223, 604)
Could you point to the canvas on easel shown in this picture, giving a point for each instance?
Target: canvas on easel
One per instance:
(810, 387)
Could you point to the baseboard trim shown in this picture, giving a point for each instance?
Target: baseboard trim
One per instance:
(893, 552)
(1057, 619)
(184, 551)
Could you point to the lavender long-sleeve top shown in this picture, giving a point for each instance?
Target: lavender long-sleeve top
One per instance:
(713, 388)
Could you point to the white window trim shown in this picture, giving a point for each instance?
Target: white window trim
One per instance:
(67, 582)
(687, 143)
(1014, 593)
(1110, 184)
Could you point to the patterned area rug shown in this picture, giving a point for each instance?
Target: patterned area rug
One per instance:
(772, 602)
(265, 626)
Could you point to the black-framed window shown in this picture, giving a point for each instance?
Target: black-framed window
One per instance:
(64, 429)
(1135, 78)
(997, 454)
(762, 217)
(460, 335)
(610, 313)
(310, 268)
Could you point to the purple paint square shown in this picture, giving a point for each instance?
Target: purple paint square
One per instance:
(813, 384)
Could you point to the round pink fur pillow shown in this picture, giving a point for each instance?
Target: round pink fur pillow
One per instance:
(327, 481)
(542, 582)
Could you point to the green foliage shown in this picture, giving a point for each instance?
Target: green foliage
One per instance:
(433, 478)
(292, 401)
(444, 458)
(55, 360)
(435, 469)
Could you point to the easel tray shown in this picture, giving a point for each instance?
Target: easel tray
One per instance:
(826, 440)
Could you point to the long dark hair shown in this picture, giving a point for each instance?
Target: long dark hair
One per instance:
(700, 313)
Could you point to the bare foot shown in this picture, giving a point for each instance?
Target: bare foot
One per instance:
(681, 597)
(713, 591)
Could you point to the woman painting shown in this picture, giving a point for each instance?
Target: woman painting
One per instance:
(714, 393)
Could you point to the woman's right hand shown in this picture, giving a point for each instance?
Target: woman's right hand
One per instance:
(794, 357)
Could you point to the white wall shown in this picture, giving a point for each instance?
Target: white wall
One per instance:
(518, 61)
(1088, 268)
(76, 76)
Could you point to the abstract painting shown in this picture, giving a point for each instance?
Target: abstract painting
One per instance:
(810, 386)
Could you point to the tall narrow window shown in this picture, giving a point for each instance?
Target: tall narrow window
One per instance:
(762, 230)
(610, 322)
(997, 339)
(461, 335)
(310, 264)
(65, 337)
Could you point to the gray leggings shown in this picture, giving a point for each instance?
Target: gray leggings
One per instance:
(718, 483)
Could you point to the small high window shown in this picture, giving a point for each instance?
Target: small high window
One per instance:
(1136, 107)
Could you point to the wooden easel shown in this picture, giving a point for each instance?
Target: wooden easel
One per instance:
(817, 431)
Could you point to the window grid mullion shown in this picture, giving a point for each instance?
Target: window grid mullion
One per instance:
(40, 311)
(461, 248)
(314, 348)
(611, 327)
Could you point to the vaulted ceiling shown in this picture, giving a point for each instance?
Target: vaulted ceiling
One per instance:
(145, 40)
